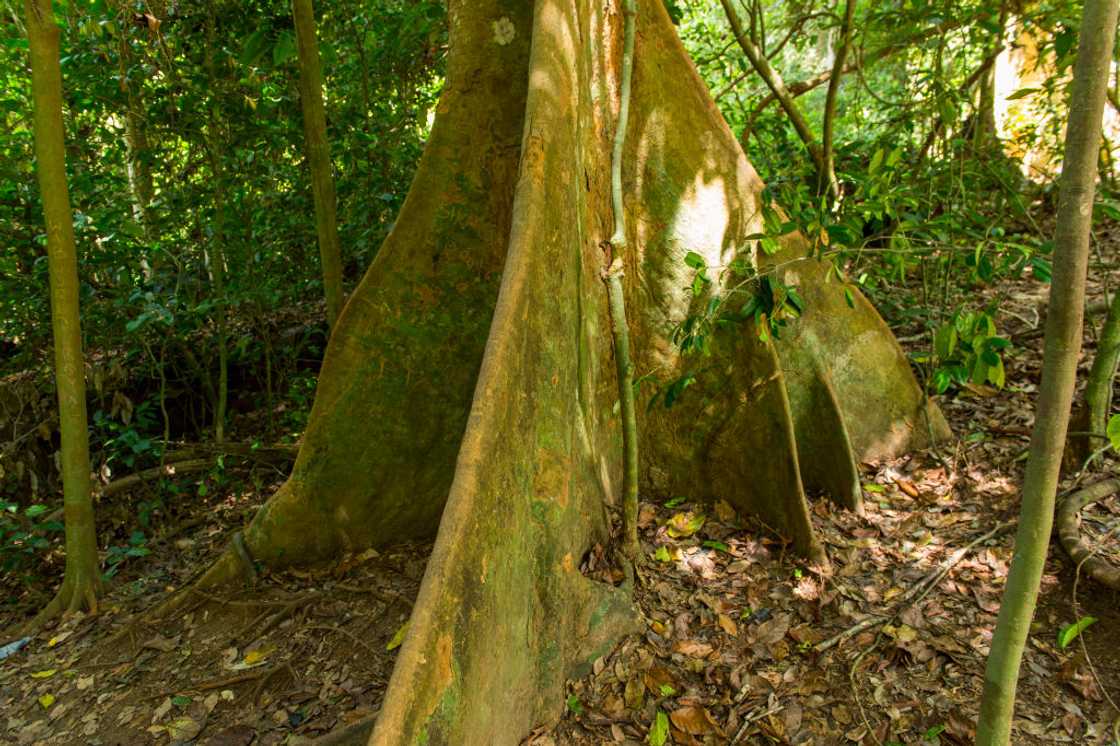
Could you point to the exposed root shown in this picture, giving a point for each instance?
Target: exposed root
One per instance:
(356, 734)
(78, 595)
(274, 618)
(1075, 607)
(1069, 532)
(242, 552)
(339, 630)
(225, 571)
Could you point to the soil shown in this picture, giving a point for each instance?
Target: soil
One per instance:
(298, 655)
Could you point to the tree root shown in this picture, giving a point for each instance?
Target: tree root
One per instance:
(1069, 532)
(339, 630)
(76, 596)
(356, 734)
(276, 616)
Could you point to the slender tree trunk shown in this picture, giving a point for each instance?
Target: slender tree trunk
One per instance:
(801, 87)
(939, 122)
(81, 581)
(1098, 391)
(985, 134)
(1059, 370)
(826, 179)
(217, 254)
(139, 169)
(318, 155)
(137, 163)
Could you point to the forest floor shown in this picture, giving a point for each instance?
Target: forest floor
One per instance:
(743, 643)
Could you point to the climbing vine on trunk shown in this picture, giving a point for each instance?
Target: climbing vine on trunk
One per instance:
(617, 302)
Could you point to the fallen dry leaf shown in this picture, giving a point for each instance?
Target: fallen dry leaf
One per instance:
(693, 720)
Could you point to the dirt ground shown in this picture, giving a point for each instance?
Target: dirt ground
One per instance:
(743, 643)
(297, 656)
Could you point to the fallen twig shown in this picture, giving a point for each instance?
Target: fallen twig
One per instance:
(916, 593)
(354, 638)
(751, 719)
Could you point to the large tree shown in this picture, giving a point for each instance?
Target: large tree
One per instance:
(469, 384)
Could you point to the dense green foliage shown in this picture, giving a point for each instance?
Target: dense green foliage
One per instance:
(213, 88)
(933, 205)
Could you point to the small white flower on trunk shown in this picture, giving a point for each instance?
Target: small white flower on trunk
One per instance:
(503, 31)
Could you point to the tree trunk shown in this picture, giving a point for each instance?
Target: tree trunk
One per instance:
(826, 179)
(139, 169)
(1098, 389)
(1059, 370)
(318, 155)
(217, 249)
(81, 581)
(469, 384)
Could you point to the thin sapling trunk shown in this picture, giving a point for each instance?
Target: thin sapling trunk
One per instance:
(81, 582)
(1098, 390)
(826, 178)
(617, 303)
(1059, 371)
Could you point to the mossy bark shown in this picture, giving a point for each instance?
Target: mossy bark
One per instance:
(470, 384)
(81, 582)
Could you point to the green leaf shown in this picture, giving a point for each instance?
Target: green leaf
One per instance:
(876, 161)
(996, 374)
(662, 554)
(659, 731)
(694, 260)
(717, 545)
(181, 701)
(675, 501)
(945, 341)
(1113, 431)
(1021, 93)
(398, 638)
(34, 511)
(1069, 632)
(933, 733)
(575, 705)
(253, 47)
